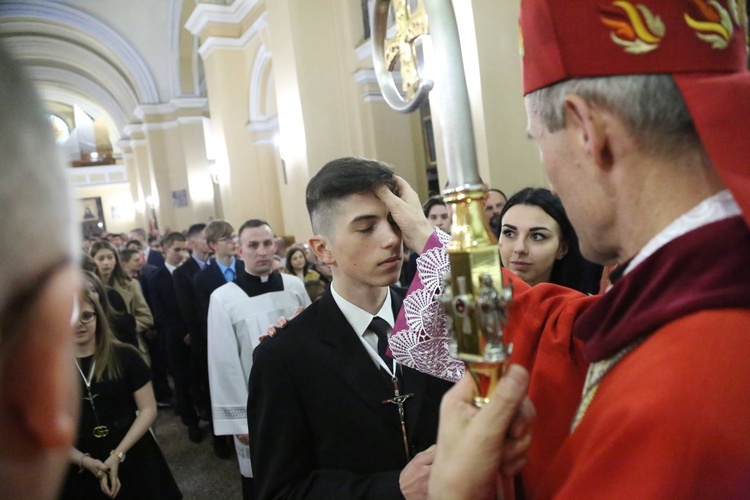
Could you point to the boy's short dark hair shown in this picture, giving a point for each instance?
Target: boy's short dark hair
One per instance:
(134, 243)
(337, 180)
(195, 229)
(171, 238)
(252, 223)
(127, 254)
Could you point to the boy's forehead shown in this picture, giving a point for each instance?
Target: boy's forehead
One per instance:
(358, 205)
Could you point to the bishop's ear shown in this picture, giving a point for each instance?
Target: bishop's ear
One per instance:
(321, 247)
(586, 124)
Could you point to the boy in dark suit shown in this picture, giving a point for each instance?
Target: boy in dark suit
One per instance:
(223, 268)
(330, 414)
(172, 329)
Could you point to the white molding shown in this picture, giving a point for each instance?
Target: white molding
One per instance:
(269, 125)
(198, 104)
(258, 100)
(172, 124)
(84, 25)
(190, 120)
(367, 80)
(219, 42)
(206, 13)
(89, 176)
(64, 55)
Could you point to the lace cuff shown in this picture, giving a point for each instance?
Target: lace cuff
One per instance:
(420, 339)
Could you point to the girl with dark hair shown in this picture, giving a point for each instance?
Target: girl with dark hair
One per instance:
(117, 409)
(121, 322)
(539, 244)
(297, 265)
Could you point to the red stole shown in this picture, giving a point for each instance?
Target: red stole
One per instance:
(675, 281)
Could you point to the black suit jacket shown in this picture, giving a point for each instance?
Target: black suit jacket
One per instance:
(155, 259)
(147, 270)
(204, 283)
(164, 305)
(182, 278)
(318, 425)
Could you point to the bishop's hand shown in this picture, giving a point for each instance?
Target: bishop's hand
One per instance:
(476, 445)
(407, 213)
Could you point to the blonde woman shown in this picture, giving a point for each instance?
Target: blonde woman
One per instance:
(115, 453)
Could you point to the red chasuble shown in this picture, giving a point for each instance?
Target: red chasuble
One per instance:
(672, 419)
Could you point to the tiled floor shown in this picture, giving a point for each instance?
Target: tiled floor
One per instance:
(199, 474)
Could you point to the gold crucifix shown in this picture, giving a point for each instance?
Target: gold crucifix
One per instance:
(409, 26)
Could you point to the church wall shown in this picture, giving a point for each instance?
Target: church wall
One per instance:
(509, 161)
(246, 171)
(117, 197)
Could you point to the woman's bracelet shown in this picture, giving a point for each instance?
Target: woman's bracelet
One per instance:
(80, 462)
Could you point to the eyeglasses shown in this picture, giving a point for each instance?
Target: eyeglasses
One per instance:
(228, 238)
(87, 317)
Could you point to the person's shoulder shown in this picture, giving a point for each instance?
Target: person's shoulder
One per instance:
(128, 354)
(227, 289)
(292, 282)
(188, 267)
(204, 274)
(296, 334)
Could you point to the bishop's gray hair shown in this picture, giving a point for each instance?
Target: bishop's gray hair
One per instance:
(651, 107)
(40, 230)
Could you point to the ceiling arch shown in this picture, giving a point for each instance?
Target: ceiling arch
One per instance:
(45, 18)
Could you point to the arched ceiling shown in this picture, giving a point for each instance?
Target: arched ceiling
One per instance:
(107, 56)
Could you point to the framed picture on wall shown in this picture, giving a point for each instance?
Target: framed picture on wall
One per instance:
(91, 215)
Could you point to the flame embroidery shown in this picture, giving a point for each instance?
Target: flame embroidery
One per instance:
(738, 9)
(641, 33)
(716, 26)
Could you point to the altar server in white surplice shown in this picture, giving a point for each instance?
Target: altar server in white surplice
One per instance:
(239, 312)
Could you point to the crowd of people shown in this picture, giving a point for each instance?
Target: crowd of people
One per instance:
(634, 389)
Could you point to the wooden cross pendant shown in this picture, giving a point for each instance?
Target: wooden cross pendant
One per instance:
(399, 399)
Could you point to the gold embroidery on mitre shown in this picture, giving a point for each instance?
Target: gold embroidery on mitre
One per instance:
(716, 26)
(641, 33)
(521, 48)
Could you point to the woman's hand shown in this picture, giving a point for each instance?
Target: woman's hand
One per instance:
(110, 481)
(281, 324)
(96, 467)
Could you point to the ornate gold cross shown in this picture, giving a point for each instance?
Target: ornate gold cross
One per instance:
(409, 26)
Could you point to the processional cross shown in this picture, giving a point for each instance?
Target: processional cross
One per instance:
(409, 26)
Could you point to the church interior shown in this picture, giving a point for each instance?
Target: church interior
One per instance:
(172, 112)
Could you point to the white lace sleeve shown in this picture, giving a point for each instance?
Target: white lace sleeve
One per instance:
(423, 342)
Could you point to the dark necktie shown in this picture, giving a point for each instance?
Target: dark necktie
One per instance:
(380, 327)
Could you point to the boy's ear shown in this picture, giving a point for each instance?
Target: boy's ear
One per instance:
(321, 247)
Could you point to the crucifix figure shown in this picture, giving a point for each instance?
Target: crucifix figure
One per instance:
(399, 399)
(409, 26)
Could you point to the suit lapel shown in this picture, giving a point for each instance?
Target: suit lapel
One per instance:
(349, 358)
